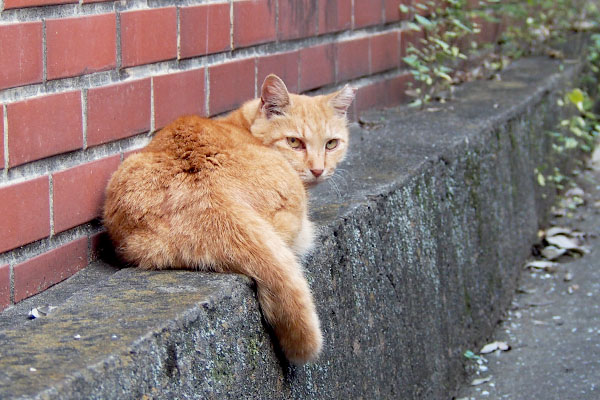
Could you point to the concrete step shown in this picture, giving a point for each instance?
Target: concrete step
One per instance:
(421, 237)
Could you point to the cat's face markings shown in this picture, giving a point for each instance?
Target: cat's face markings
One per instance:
(317, 154)
(310, 132)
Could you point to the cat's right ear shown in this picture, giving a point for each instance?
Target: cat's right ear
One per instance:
(274, 96)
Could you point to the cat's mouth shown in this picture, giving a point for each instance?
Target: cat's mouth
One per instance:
(312, 181)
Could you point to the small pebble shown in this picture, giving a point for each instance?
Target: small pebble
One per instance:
(77, 337)
(31, 369)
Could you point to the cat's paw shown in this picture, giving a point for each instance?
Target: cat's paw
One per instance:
(305, 241)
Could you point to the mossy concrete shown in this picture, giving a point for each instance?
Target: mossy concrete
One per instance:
(421, 238)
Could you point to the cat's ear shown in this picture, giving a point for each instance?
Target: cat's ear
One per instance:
(274, 96)
(341, 100)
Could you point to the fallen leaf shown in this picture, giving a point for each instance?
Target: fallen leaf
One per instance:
(562, 242)
(571, 289)
(538, 322)
(34, 313)
(547, 266)
(575, 191)
(552, 252)
(490, 347)
(480, 381)
(558, 230)
(41, 311)
(568, 277)
(525, 290)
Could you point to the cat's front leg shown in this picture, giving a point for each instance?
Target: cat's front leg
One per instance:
(305, 240)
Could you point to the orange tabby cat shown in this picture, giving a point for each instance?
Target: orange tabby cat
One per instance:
(229, 195)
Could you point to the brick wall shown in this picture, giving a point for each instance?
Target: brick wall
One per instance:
(84, 82)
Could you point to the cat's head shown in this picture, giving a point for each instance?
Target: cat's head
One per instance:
(310, 132)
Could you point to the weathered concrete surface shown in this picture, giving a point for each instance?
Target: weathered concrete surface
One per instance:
(418, 257)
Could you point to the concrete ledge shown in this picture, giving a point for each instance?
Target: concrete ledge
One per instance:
(418, 258)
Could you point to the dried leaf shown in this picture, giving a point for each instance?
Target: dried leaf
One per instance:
(571, 289)
(34, 313)
(552, 252)
(490, 347)
(558, 230)
(568, 277)
(576, 191)
(41, 311)
(567, 243)
(480, 381)
(547, 266)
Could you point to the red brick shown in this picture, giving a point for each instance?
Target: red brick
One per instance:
(386, 93)
(392, 10)
(43, 127)
(489, 30)
(148, 36)
(334, 15)
(317, 67)
(352, 59)
(79, 192)
(178, 94)
(81, 45)
(385, 52)
(204, 29)
(118, 111)
(297, 19)
(100, 245)
(395, 90)
(367, 12)
(4, 286)
(253, 22)
(284, 65)
(24, 213)
(230, 85)
(32, 3)
(1, 136)
(20, 54)
(41, 272)
(370, 96)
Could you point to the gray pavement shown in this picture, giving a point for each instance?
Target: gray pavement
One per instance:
(553, 326)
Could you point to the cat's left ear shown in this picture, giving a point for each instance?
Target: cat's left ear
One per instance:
(341, 100)
(274, 96)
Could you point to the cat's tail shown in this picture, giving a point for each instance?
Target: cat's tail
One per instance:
(257, 250)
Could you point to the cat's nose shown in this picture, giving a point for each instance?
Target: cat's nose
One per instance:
(317, 172)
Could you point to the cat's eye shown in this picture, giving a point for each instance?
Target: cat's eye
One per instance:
(295, 143)
(332, 144)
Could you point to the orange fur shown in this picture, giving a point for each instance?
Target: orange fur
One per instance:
(229, 195)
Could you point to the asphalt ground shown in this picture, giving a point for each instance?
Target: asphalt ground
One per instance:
(553, 326)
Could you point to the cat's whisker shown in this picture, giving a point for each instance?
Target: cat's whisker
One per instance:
(333, 184)
(342, 172)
